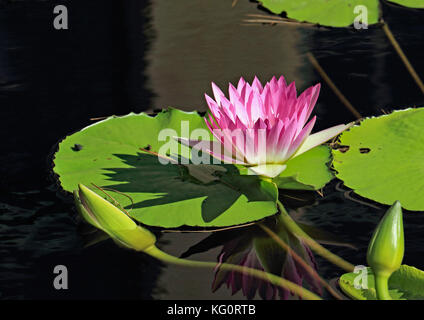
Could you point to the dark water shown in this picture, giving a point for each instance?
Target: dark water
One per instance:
(135, 56)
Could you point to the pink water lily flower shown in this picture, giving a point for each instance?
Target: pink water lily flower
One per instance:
(262, 127)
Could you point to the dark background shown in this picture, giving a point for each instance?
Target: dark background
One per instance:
(52, 82)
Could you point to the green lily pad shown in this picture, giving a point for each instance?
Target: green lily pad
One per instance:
(332, 13)
(409, 3)
(117, 155)
(382, 158)
(309, 171)
(407, 283)
(109, 155)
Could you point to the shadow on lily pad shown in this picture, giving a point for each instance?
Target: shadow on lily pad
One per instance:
(183, 191)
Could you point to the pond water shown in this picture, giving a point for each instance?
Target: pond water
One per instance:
(143, 56)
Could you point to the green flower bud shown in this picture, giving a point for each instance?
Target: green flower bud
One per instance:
(386, 249)
(105, 216)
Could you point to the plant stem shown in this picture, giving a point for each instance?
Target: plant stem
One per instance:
(278, 281)
(292, 226)
(402, 56)
(382, 286)
(331, 84)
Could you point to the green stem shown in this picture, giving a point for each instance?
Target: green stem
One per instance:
(278, 281)
(382, 286)
(292, 226)
(402, 56)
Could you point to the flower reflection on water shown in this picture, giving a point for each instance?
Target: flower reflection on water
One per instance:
(257, 250)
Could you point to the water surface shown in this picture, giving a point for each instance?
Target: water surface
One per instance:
(134, 56)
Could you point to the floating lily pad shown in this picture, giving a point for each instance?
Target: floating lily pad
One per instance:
(161, 195)
(117, 155)
(409, 3)
(407, 283)
(332, 13)
(382, 158)
(309, 171)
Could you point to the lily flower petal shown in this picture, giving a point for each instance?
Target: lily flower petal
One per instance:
(263, 126)
(268, 170)
(320, 137)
